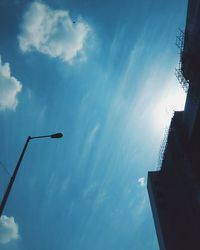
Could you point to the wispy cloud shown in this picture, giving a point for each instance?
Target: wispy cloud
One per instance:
(139, 209)
(53, 32)
(8, 229)
(10, 87)
(90, 140)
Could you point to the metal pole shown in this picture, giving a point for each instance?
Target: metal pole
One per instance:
(12, 179)
(38, 137)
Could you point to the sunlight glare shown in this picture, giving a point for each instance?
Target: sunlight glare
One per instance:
(172, 99)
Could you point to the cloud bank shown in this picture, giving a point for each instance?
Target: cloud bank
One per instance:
(8, 229)
(10, 87)
(53, 32)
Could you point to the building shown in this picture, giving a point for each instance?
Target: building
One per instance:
(174, 190)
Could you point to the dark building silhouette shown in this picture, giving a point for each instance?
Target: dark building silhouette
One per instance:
(174, 190)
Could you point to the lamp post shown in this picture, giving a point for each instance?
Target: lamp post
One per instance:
(12, 179)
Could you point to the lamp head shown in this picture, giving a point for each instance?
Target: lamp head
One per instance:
(57, 135)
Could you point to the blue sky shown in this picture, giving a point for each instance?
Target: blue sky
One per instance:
(101, 72)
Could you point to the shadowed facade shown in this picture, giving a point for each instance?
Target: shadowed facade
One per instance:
(174, 190)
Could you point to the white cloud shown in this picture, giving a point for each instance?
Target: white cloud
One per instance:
(141, 181)
(53, 32)
(9, 88)
(8, 229)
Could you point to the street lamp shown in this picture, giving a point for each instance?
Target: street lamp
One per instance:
(12, 179)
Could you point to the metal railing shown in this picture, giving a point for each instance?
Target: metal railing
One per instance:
(163, 147)
(179, 71)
